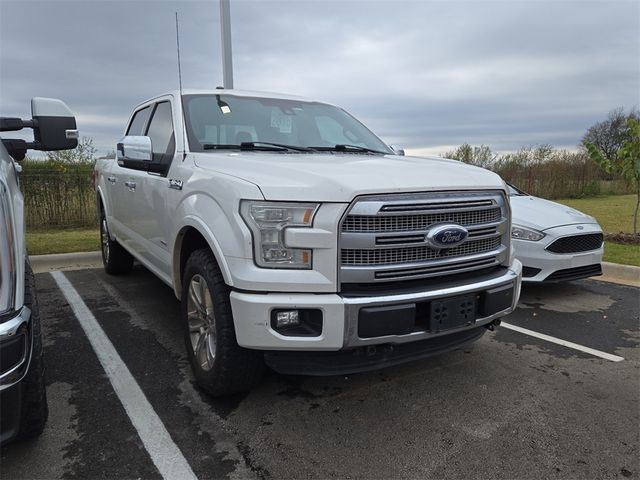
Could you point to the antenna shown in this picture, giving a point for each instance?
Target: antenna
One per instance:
(184, 134)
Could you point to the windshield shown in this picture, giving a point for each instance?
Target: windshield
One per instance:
(228, 121)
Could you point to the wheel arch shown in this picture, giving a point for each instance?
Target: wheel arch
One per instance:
(101, 204)
(193, 236)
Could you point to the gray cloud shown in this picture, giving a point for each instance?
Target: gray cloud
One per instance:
(426, 75)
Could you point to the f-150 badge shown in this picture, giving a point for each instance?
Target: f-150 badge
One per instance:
(175, 184)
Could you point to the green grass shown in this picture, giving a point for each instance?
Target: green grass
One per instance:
(614, 214)
(63, 241)
(619, 253)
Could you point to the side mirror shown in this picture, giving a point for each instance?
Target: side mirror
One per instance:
(397, 150)
(54, 126)
(134, 151)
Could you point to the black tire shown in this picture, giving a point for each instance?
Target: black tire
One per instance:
(116, 260)
(34, 410)
(232, 369)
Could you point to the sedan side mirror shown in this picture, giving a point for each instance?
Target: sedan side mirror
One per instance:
(54, 126)
(134, 151)
(397, 150)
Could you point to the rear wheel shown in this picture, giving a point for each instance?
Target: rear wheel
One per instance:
(35, 410)
(219, 364)
(114, 258)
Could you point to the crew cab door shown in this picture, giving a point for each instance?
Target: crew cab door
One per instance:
(122, 186)
(153, 223)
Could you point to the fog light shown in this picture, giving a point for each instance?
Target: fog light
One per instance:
(287, 318)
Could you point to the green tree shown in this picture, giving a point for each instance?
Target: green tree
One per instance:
(625, 162)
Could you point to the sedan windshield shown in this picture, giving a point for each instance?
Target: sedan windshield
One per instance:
(217, 122)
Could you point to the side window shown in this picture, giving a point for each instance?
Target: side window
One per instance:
(138, 121)
(161, 133)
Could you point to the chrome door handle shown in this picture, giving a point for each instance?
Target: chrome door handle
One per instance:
(131, 185)
(111, 179)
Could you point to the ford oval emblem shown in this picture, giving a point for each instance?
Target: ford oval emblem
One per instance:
(447, 236)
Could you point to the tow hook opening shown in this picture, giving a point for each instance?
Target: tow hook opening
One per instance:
(492, 325)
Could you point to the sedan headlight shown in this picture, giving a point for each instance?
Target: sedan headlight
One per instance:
(523, 233)
(268, 222)
(8, 264)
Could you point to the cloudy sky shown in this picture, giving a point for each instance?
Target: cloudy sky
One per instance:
(426, 75)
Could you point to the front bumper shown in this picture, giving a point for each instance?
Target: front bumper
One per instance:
(341, 314)
(16, 339)
(539, 263)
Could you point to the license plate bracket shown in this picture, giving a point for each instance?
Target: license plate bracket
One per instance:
(453, 312)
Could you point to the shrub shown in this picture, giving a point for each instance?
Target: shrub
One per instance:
(58, 191)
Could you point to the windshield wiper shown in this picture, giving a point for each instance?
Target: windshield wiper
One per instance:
(296, 148)
(348, 148)
(260, 146)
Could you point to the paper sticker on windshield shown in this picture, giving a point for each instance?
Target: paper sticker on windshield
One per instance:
(281, 121)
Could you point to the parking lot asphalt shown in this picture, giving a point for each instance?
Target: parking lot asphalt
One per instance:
(510, 406)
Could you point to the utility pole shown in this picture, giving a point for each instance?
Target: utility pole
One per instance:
(225, 29)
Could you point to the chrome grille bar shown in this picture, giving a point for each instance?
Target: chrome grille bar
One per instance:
(386, 256)
(404, 223)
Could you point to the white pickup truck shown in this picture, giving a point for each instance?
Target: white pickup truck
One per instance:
(295, 237)
(23, 397)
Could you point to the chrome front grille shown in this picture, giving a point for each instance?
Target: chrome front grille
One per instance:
(384, 238)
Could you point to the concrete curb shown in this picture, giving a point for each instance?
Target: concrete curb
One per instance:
(622, 274)
(65, 261)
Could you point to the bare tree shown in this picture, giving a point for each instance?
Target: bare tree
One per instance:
(480, 156)
(610, 135)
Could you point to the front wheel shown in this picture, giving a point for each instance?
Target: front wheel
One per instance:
(34, 411)
(220, 365)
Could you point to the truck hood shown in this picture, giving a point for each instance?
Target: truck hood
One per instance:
(542, 214)
(341, 177)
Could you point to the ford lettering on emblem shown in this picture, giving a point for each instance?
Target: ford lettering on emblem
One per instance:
(447, 236)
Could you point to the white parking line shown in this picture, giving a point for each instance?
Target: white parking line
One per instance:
(164, 453)
(565, 343)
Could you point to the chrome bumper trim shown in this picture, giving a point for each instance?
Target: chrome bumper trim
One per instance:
(8, 330)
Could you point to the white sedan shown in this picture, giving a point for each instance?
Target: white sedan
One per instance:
(554, 242)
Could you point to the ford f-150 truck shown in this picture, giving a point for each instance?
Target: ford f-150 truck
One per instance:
(295, 237)
(23, 399)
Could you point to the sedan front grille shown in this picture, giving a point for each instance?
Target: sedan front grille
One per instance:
(385, 238)
(577, 243)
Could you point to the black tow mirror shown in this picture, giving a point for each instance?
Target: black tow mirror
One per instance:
(54, 126)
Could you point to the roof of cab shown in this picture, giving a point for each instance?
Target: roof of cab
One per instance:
(238, 93)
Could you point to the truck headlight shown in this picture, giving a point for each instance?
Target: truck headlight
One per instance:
(8, 263)
(523, 233)
(267, 222)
